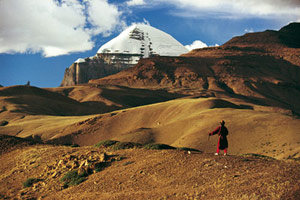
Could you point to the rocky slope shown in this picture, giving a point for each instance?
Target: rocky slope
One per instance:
(143, 174)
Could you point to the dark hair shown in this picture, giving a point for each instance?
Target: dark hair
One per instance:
(222, 122)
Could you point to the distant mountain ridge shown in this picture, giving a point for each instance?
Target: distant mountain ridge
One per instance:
(287, 36)
(256, 65)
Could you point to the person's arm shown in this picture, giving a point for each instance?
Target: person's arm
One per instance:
(217, 130)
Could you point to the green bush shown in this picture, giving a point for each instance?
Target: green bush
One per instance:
(73, 178)
(100, 166)
(3, 123)
(117, 145)
(126, 145)
(158, 146)
(71, 145)
(30, 181)
(106, 143)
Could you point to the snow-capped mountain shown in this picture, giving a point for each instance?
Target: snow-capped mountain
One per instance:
(124, 51)
(143, 41)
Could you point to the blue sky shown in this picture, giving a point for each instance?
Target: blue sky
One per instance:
(40, 39)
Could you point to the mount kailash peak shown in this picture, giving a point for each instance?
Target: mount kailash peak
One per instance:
(124, 51)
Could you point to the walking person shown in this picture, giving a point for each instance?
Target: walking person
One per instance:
(222, 132)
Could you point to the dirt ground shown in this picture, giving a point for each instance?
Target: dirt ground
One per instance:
(149, 174)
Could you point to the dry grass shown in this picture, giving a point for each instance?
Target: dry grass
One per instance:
(148, 174)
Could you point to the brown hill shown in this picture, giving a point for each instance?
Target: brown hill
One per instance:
(10, 143)
(144, 174)
(36, 101)
(51, 113)
(73, 101)
(287, 36)
(265, 79)
(183, 122)
(284, 43)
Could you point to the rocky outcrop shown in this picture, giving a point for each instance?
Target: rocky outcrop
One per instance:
(83, 70)
(91, 162)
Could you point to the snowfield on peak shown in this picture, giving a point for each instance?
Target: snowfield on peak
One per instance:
(144, 40)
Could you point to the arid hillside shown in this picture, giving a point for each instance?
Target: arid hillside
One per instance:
(116, 173)
(185, 121)
(73, 101)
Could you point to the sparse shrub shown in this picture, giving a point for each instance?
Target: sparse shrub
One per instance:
(3, 123)
(106, 143)
(158, 146)
(3, 109)
(128, 163)
(71, 145)
(187, 149)
(73, 178)
(30, 181)
(117, 145)
(258, 156)
(126, 145)
(100, 166)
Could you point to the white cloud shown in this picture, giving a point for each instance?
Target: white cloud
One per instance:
(235, 8)
(196, 45)
(54, 27)
(103, 16)
(249, 30)
(135, 2)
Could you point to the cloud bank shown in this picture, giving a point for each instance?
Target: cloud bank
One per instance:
(54, 27)
(234, 8)
(135, 2)
(59, 27)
